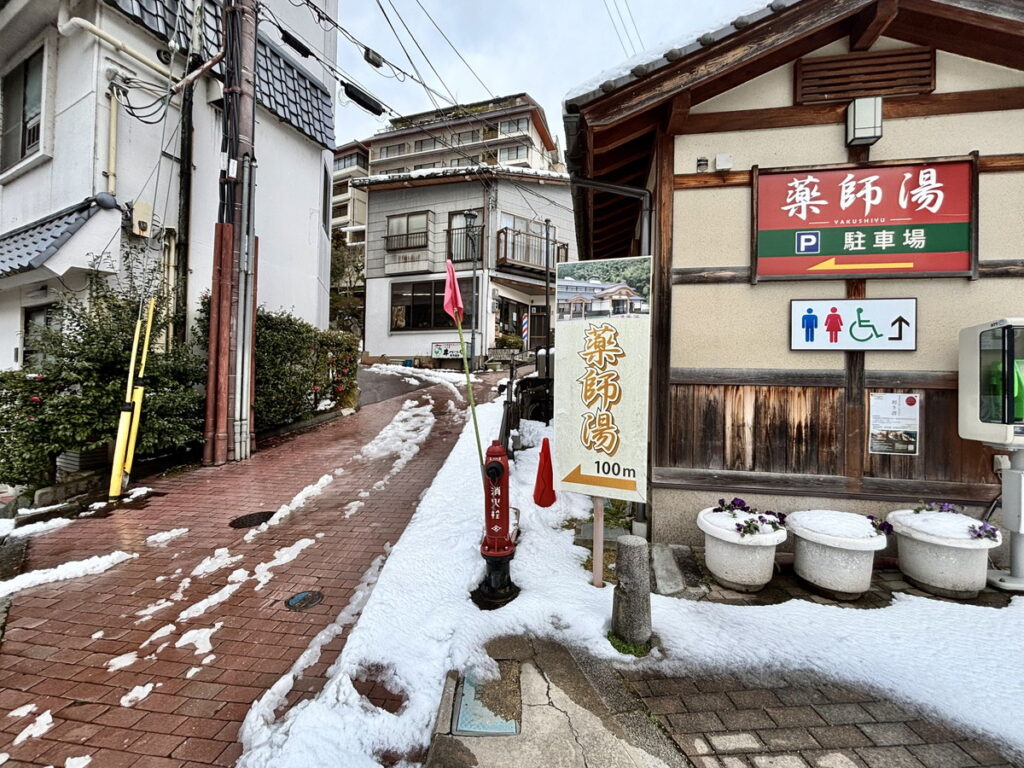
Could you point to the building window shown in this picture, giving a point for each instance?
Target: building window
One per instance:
(407, 230)
(341, 187)
(425, 145)
(420, 306)
(21, 108)
(392, 150)
(35, 320)
(340, 210)
(465, 137)
(355, 236)
(512, 153)
(326, 208)
(350, 160)
(421, 166)
(461, 161)
(520, 125)
(465, 242)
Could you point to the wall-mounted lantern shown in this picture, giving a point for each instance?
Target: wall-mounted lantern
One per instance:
(864, 121)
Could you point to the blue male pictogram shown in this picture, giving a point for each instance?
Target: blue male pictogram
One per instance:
(809, 322)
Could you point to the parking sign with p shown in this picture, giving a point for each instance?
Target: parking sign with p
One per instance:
(808, 241)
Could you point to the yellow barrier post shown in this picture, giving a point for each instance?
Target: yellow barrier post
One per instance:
(137, 393)
(125, 424)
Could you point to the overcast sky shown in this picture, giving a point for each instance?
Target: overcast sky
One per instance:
(542, 47)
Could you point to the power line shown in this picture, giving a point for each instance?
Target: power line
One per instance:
(615, 27)
(629, 10)
(622, 21)
(422, 52)
(419, 78)
(457, 53)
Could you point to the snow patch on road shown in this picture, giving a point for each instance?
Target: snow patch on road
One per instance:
(221, 558)
(352, 507)
(200, 638)
(161, 539)
(298, 501)
(179, 593)
(147, 612)
(449, 379)
(37, 728)
(78, 762)
(122, 661)
(198, 609)
(22, 711)
(70, 570)
(32, 529)
(97, 635)
(164, 631)
(281, 556)
(136, 694)
(401, 438)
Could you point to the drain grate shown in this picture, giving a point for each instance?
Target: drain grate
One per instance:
(303, 600)
(251, 520)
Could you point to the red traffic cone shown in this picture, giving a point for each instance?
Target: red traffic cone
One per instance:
(544, 487)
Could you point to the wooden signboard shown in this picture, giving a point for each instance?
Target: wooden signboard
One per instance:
(866, 221)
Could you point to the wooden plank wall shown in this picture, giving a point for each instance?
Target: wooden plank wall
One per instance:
(800, 430)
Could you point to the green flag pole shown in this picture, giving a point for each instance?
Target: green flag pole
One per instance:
(469, 391)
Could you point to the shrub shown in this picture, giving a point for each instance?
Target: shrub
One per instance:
(509, 341)
(298, 367)
(72, 389)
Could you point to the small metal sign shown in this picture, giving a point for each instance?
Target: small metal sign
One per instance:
(894, 423)
(445, 350)
(853, 324)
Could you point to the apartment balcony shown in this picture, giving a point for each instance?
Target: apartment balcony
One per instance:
(414, 262)
(525, 251)
(464, 244)
(405, 242)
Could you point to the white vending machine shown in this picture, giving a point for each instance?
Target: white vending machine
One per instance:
(991, 410)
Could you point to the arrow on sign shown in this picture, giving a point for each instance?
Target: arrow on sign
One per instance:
(577, 476)
(831, 263)
(899, 322)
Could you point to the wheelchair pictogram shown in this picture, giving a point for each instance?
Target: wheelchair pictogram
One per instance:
(865, 325)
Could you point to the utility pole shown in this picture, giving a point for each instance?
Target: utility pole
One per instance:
(547, 283)
(232, 300)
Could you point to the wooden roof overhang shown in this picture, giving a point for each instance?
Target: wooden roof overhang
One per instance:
(612, 133)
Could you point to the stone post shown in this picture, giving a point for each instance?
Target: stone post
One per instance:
(631, 602)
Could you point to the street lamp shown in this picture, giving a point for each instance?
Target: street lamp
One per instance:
(470, 217)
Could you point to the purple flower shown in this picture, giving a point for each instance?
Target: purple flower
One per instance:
(738, 502)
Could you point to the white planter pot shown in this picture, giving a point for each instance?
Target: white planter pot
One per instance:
(835, 551)
(938, 558)
(743, 563)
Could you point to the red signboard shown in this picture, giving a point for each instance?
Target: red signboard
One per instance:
(868, 221)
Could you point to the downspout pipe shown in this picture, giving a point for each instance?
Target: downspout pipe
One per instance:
(67, 25)
(115, 105)
(644, 195)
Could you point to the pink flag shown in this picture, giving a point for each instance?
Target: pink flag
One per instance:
(452, 296)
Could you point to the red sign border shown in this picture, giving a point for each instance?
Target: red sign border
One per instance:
(972, 273)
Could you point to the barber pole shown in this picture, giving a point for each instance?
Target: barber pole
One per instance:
(525, 324)
(498, 546)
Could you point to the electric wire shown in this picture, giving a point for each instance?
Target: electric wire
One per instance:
(422, 52)
(457, 53)
(629, 10)
(429, 92)
(615, 27)
(622, 22)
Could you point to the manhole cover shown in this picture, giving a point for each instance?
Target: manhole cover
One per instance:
(251, 520)
(303, 600)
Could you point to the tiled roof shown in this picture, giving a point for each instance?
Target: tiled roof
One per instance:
(283, 87)
(32, 245)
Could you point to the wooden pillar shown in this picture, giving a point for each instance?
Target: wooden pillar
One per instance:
(661, 290)
(855, 395)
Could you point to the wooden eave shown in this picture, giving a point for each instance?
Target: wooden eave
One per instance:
(616, 134)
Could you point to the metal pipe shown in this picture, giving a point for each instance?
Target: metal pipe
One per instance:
(243, 269)
(547, 281)
(112, 144)
(621, 189)
(67, 24)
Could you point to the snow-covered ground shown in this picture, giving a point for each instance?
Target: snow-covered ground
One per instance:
(449, 379)
(418, 623)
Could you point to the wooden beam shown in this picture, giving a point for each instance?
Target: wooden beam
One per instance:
(856, 396)
(995, 21)
(993, 42)
(893, 108)
(1001, 268)
(703, 275)
(712, 179)
(608, 138)
(832, 486)
(661, 289)
(741, 51)
(1000, 163)
(871, 24)
(678, 111)
(758, 377)
(622, 159)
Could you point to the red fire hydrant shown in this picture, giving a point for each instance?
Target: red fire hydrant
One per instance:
(498, 546)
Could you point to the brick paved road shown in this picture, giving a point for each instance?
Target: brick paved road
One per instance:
(51, 656)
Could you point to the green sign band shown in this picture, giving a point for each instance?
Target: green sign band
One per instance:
(865, 241)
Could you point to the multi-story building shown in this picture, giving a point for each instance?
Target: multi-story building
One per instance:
(348, 203)
(90, 157)
(481, 185)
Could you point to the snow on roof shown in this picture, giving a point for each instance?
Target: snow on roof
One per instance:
(665, 53)
(462, 170)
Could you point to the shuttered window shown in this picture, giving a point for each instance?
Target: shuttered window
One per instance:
(21, 98)
(905, 71)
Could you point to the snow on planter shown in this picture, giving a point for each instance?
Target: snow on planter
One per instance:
(835, 551)
(739, 544)
(943, 552)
